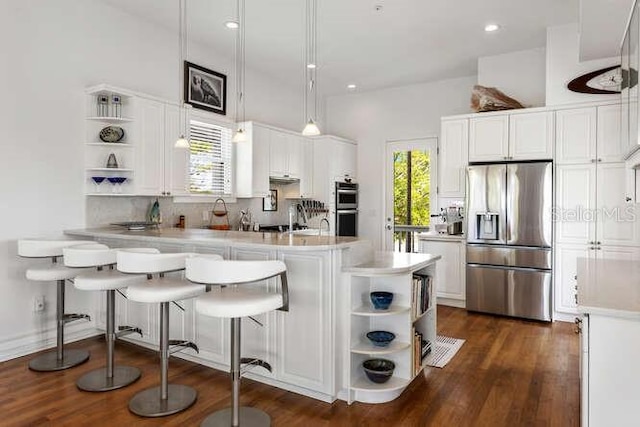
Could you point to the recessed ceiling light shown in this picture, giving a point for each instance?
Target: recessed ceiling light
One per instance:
(351, 86)
(232, 24)
(311, 66)
(489, 28)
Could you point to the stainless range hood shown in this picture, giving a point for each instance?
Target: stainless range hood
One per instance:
(283, 180)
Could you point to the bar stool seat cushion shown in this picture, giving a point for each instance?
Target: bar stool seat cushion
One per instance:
(237, 301)
(31, 248)
(106, 280)
(89, 255)
(164, 289)
(53, 272)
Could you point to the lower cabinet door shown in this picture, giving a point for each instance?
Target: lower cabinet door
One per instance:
(305, 333)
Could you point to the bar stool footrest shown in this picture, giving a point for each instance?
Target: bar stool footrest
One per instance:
(49, 362)
(148, 403)
(97, 380)
(251, 361)
(248, 417)
(128, 330)
(72, 317)
(180, 345)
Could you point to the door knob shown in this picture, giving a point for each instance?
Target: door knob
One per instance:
(388, 227)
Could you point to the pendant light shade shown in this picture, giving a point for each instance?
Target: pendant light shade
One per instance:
(311, 129)
(311, 69)
(240, 135)
(182, 142)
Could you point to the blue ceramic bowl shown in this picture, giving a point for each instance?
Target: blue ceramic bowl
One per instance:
(380, 338)
(381, 300)
(378, 370)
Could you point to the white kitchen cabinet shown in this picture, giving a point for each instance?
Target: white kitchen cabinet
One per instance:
(576, 135)
(453, 157)
(304, 335)
(589, 135)
(574, 213)
(531, 136)
(252, 162)
(489, 138)
(306, 173)
(334, 159)
(450, 269)
(285, 154)
(516, 136)
(565, 269)
(616, 223)
(161, 169)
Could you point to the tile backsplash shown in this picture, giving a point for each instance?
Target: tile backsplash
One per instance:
(101, 211)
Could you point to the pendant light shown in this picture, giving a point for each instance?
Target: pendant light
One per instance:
(182, 142)
(240, 135)
(311, 69)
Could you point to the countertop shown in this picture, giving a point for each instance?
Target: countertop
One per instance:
(393, 263)
(432, 235)
(222, 238)
(609, 287)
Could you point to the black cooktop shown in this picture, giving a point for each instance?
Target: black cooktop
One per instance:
(279, 228)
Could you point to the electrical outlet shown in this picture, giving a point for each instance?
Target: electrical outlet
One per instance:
(38, 303)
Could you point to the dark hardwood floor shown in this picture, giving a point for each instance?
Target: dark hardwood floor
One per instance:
(508, 373)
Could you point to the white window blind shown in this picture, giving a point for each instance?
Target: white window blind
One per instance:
(210, 160)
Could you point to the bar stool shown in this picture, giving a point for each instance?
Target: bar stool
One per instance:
(104, 278)
(234, 300)
(165, 399)
(60, 358)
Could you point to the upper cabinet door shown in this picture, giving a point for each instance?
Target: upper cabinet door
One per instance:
(176, 172)
(531, 136)
(611, 147)
(575, 204)
(306, 175)
(615, 222)
(576, 136)
(453, 158)
(278, 153)
(149, 179)
(489, 139)
(294, 154)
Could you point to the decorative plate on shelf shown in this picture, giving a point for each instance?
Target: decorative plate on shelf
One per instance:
(111, 134)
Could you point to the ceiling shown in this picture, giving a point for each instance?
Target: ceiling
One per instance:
(408, 41)
(602, 24)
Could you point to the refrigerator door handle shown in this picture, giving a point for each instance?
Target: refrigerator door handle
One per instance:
(503, 267)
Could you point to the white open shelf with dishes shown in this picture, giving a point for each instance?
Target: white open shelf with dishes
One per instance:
(405, 318)
(109, 142)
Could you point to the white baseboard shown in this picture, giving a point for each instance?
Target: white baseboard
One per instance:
(452, 302)
(22, 345)
(565, 317)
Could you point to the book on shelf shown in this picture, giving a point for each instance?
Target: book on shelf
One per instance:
(421, 294)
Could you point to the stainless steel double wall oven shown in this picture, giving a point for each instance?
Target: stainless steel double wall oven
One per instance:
(346, 208)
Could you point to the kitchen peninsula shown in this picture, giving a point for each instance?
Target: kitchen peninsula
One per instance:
(308, 346)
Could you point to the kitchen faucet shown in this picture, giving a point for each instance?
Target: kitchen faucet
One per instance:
(320, 227)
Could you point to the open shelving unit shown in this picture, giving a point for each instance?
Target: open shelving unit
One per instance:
(97, 152)
(402, 318)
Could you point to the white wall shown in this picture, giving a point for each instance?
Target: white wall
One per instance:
(51, 52)
(520, 75)
(563, 65)
(373, 118)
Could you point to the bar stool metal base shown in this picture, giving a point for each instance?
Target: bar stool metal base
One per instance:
(249, 417)
(148, 403)
(49, 362)
(97, 380)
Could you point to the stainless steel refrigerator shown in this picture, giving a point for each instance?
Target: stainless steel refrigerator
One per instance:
(509, 257)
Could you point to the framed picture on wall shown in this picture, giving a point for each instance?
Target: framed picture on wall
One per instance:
(270, 202)
(205, 89)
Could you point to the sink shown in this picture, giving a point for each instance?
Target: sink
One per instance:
(311, 232)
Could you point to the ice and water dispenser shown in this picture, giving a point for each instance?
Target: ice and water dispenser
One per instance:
(487, 226)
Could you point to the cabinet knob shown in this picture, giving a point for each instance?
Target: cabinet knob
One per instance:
(599, 160)
(591, 248)
(598, 243)
(591, 242)
(628, 199)
(593, 160)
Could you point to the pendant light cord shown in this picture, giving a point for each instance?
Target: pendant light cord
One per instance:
(240, 62)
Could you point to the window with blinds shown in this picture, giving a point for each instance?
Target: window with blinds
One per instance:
(210, 160)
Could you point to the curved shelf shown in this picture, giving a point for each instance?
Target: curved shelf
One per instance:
(110, 144)
(110, 169)
(368, 348)
(367, 310)
(362, 383)
(110, 119)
